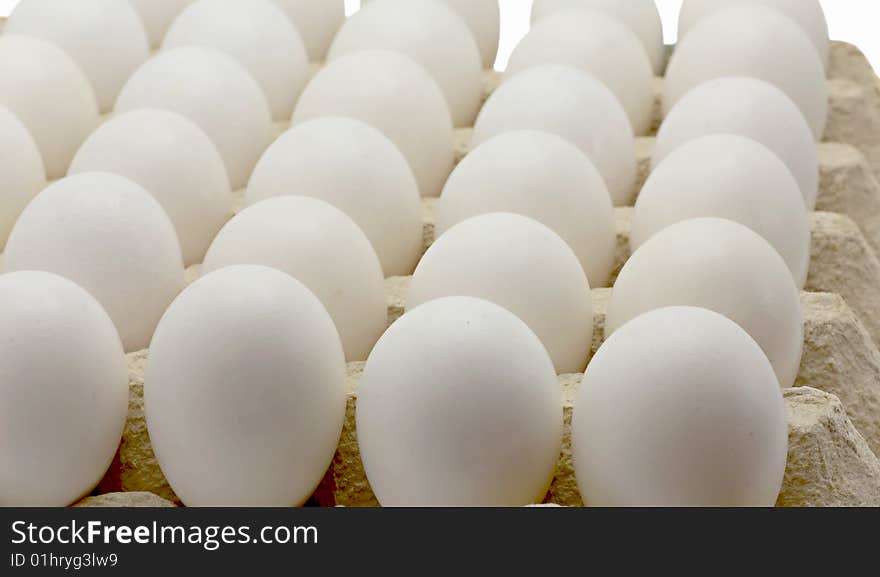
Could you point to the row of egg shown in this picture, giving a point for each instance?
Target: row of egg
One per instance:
(111, 236)
(504, 226)
(459, 402)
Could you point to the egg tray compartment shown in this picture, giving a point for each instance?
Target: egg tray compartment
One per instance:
(840, 355)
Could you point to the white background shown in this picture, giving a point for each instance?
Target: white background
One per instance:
(856, 21)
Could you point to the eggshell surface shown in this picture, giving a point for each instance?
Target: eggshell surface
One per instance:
(157, 16)
(247, 367)
(218, 94)
(256, 34)
(22, 174)
(459, 406)
(747, 107)
(722, 266)
(317, 22)
(106, 38)
(679, 407)
(108, 235)
(32, 74)
(808, 14)
(173, 160)
(483, 17)
(498, 257)
(641, 16)
(582, 39)
(739, 41)
(541, 176)
(395, 95)
(429, 32)
(732, 177)
(569, 103)
(321, 247)
(357, 169)
(63, 397)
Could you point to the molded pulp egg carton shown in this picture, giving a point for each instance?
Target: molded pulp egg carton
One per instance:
(834, 414)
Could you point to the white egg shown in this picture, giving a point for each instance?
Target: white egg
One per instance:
(459, 406)
(732, 177)
(22, 174)
(483, 17)
(755, 41)
(170, 157)
(213, 90)
(247, 369)
(541, 176)
(430, 33)
(680, 407)
(641, 16)
(317, 22)
(32, 75)
(748, 107)
(722, 266)
(521, 265)
(807, 14)
(157, 16)
(105, 37)
(321, 247)
(108, 235)
(395, 95)
(581, 38)
(256, 33)
(567, 102)
(358, 170)
(63, 391)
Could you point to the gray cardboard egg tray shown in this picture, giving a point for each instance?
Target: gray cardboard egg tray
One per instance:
(834, 413)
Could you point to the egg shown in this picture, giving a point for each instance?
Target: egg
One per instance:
(321, 247)
(541, 176)
(218, 95)
(157, 16)
(63, 391)
(641, 16)
(430, 33)
(567, 102)
(247, 367)
(483, 17)
(105, 37)
(357, 169)
(395, 95)
(722, 266)
(108, 235)
(22, 174)
(732, 177)
(317, 22)
(807, 14)
(256, 33)
(32, 75)
(680, 407)
(748, 107)
(521, 265)
(755, 41)
(459, 406)
(170, 157)
(581, 38)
